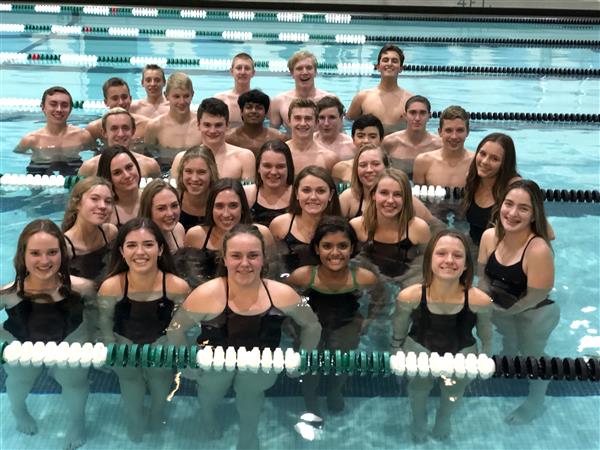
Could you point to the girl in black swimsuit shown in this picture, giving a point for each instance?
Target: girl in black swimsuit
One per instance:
(227, 202)
(333, 290)
(439, 315)
(517, 271)
(368, 163)
(136, 303)
(270, 196)
(160, 203)
(314, 195)
(492, 169)
(86, 228)
(196, 176)
(241, 308)
(118, 165)
(45, 303)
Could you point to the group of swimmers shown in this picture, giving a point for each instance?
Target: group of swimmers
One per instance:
(282, 255)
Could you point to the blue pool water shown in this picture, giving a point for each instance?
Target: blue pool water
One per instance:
(555, 155)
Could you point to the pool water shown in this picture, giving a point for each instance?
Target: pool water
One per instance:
(556, 155)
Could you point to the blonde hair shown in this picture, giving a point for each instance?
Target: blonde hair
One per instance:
(81, 188)
(179, 80)
(407, 213)
(355, 184)
(207, 155)
(302, 54)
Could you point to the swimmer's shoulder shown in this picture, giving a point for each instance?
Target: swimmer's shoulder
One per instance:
(419, 231)
(358, 223)
(176, 285)
(112, 286)
(280, 225)
(365, 278)
(479, 301)
(282, 295)
(85, 287)
(301, 276)
(195, 236)
(487, 244)
(410, 296)
(208, 298)
(110, 231)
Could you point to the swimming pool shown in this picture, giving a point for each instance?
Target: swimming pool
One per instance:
(556, 154)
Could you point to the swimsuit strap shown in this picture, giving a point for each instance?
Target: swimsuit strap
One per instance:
(423, 295)
(291, 223)
(466, 298)
(268, 293)
(207, 238)
(117, 214)
(174, 239)
(126, 288)
(164, 284)
(71, 244)
(256, 199)
(103, 236)
(313, 274)
(360, 203)
(354, 282)
(525, 249)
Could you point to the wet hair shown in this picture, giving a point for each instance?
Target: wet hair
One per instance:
(466, 278)
(242, 55)
(298, 56)
(367, 120)
(227, 184)
(330, 101)
(114, 82)
(56, 90)
(80, 188)
(204, 153)
(114, 112)
(148, 194)
(302, 103)
(391, 48)
(454, 112)
(242, 228)
(179, 80)
(153, 67)
(355, 183)
(407, 213)
(333, 206)
(418, 99)
(108, 154)
(39, 226)
(254, 96)
(539, 226)
(118, 264)
(507, 171)
(334, 224)
(214, 107)
(276, 146)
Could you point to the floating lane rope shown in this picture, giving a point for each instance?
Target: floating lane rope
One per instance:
(360, 363)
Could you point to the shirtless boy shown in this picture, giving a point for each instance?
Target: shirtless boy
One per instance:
(117, 95)
(449, 165)
(367, 129)
(387, 99)
(56, 146)
(118, 128)
(155, 103)
(330, 127)
(242, 71)
(404, 146)
(302, 117)
(177, 130)
(254, 106)
(303, 68)
(232, 161)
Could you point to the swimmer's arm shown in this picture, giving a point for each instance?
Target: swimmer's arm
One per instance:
(300, 278)
(87, 140)
(182, 321)
(550, 231)
(419, 232)
(175, 166)
(303, 315)
(151, 133)
(95, 129)
(27, 143)
(406, 302)
(422, 211)
(248, 165)
(420, 167)
(267, 237)
(250, 191)
(481, 304)
(275, 113)
(89, 167)
(486, 245)
(152, 168)
(106, 316)
(355, 109)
